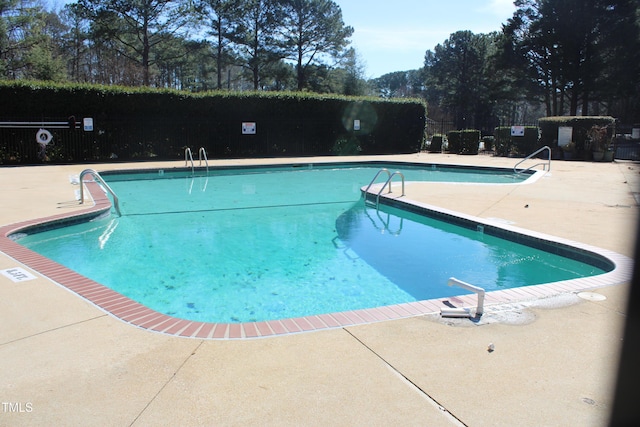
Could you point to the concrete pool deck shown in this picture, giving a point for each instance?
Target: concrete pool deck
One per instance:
(65, 362)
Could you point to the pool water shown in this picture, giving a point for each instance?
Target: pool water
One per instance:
(279, 243)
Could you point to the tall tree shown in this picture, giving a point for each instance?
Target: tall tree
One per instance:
(565, 46)
(222, 18)
(393, 85)
(140, 27)
(313, 29)
(354, 81)
(257, 39)
(617, 85)
(23, 41)
(456, 73)
(74, 42)
(46, 57)
(400, 84)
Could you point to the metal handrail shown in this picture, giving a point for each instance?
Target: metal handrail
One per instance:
(188, 156)
(544, 165)
(389, 183)
(202, 153)
(461, 312)
(36, 125)
(366, 191)
(376, 177)
(97, 177)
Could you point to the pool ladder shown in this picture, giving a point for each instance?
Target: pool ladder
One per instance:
(98, 178)
(546, 166)
(202, 154)
(390, 176)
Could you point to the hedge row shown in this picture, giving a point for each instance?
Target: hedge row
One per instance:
(464, 141)
(134, 123)
(581, 126)
(436, 143)
(534, 137)
(506, 144)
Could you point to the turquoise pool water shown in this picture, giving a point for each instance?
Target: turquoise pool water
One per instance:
(261, 244)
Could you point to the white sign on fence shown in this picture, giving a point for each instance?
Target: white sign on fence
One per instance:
(565, 135)
(517, 130)
(248, 128)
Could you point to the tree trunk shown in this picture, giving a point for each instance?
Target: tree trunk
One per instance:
(256, 76)
(300, 71)
(219, 58)
(573, 108)
(145, 53)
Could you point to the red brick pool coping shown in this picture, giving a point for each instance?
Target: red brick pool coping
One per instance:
(143, 317)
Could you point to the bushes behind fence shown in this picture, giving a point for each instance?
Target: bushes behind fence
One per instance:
(436, 144)
(508, 144)
(580, 127)
(464, 141)
(141, 123)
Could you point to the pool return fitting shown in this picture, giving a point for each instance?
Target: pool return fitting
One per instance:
(463, 312)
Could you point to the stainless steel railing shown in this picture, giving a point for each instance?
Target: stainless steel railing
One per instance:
(387, 183)
(546, 165)
(97, 177)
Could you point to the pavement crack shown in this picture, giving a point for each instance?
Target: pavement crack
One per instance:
(497, 202)
(169, 380)
(412, 384)
(53, 330)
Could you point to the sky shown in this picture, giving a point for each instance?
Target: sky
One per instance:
(393, 35)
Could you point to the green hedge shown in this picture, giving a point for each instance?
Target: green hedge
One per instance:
(506, 144)
(142, 123)
(454, 141)
(581, 126)
(464, 141)
(436, 144)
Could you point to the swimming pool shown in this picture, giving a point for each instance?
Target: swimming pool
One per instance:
(249, 245)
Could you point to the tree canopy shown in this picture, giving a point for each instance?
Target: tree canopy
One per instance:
(575, 57)
(579, 56)
(457, 70)
(184, 44)
(552, 57)
(312, 28)
(141, 29)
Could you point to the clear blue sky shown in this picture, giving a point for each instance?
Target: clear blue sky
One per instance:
(393, 35)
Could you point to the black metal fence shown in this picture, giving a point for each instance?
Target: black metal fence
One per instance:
(127, 139)
(24, 144)
(160, 139)
(439, 127)
(626, 149)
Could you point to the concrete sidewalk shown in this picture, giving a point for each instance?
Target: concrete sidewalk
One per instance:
(65, 362)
